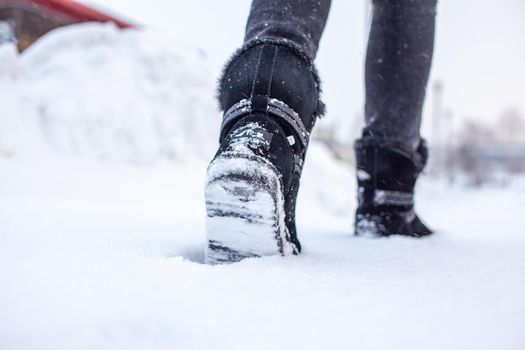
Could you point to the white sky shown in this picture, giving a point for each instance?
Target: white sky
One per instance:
(479, 52)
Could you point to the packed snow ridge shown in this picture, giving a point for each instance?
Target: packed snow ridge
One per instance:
(112, 94)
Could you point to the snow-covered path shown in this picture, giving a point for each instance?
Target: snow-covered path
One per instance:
(105, 256)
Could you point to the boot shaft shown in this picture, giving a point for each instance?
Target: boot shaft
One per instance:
(386, 177)
(263, 71)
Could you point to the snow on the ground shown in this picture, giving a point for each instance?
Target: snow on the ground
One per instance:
(101, 239)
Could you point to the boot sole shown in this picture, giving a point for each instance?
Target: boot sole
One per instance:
(245, 210)
(366, 227)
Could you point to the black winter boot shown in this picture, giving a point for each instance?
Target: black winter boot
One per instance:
(386, 181)
(270, 93)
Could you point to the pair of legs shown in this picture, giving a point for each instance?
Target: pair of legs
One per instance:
(271, 98)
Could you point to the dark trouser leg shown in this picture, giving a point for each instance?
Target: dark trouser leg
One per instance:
(391, 154)
(397, 67)
(300, 22)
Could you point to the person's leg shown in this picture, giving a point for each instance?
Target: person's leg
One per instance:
(397, 67)
(391, 153)
(269, 93)
(300, 22)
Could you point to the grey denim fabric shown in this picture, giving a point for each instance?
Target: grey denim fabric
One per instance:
(398, 61)
(300, 22)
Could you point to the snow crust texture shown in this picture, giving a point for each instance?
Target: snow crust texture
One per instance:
(108, 255)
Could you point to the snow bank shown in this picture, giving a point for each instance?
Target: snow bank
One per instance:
(98, 91)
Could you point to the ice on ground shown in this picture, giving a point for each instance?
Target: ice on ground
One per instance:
(107, 254)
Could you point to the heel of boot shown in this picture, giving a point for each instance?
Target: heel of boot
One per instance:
(245, 210)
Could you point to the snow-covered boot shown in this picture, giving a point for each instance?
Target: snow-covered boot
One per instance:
(270, 94)
(386, 181)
